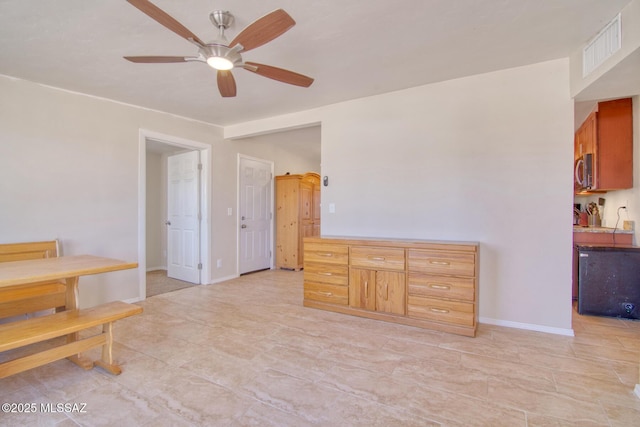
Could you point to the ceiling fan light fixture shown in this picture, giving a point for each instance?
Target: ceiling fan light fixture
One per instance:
(219, 63)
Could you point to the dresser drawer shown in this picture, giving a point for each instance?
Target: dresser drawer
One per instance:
(326, 253)
(335, 274)
(322, 292)
(440, 262)
(426, 285)
(377, 258)
(453, 312)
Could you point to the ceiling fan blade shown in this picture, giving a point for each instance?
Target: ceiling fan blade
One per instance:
(264, 30)
(226, 84)
(279, 74)
(155, 59)
(165, 19)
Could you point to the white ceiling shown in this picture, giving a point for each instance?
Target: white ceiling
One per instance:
(353, 48)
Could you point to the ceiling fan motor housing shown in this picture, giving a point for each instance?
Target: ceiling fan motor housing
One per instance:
(218, 50)
(222, 19)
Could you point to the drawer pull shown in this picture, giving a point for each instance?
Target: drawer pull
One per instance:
(438, 310)
(326, 254)
(377, 258)
(326, 273)
(440, 262)
(327, 294)
(436, 286)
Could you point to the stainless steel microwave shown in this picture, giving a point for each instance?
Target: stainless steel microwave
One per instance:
(584, 173)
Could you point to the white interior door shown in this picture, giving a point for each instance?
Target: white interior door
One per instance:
(183, 200)
(255, 208)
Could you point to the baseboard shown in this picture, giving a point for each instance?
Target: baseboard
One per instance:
(528, 326)
(156, 268)
(222, 279)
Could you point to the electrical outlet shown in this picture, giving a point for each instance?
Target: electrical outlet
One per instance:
(219, 263)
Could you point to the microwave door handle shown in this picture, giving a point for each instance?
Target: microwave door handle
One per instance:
(579, 164)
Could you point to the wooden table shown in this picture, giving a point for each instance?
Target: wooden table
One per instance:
(67, 268)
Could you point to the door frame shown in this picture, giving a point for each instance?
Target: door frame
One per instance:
(145, 135)
(271, 204)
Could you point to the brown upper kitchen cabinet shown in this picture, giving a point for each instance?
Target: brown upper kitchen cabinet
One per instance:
(297, 216)
(608, 134)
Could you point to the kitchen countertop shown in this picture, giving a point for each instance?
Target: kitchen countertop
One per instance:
(580, 229)
(606, 247)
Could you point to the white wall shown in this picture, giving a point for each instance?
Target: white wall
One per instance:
(296, 151)
(630, 36)
(486, 158)
(69, 170)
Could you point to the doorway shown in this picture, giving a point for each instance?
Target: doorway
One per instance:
(152, 227)
(255, 212)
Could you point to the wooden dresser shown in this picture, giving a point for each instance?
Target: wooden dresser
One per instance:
(427, 284)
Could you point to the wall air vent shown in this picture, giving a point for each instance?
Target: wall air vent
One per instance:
(603, 45)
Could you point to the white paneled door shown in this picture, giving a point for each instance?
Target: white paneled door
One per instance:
(183, 234)
(255, 214)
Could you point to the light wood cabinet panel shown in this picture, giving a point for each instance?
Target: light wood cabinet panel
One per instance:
(297, 217)
(380, 258)
(327, 273)
(440, 310)
(377, 290)
(391, 292)
(326, 253)
(458, 288)
(419, 283)
(323, 292)
(362, 288)
(440, 262)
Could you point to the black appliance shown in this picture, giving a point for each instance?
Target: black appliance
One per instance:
(584, 173)
(609, 281)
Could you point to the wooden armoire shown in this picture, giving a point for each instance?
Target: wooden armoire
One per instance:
(297, 216)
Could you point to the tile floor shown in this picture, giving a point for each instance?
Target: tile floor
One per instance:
(158, 283)
(246, 353)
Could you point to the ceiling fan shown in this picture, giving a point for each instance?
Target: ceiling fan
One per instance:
(221, 55)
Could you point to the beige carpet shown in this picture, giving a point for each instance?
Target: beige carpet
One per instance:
(158, 283)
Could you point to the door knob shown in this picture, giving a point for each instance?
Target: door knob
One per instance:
(243, 226)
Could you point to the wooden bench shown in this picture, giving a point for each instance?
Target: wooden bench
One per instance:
(31, 298)
(21, 333)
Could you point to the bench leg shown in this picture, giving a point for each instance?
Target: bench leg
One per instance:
(72, 304)
(84, 362)
(106, 362)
